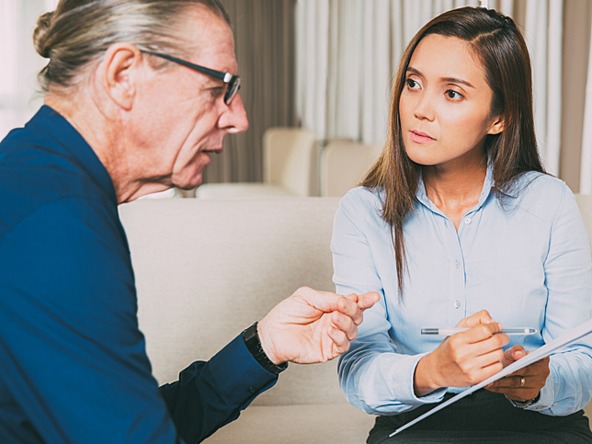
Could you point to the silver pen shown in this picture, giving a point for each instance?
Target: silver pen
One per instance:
(451, 331)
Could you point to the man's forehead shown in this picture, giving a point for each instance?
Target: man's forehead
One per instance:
(208, 39)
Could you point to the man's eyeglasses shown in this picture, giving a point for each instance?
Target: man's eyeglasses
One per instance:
(231, 80)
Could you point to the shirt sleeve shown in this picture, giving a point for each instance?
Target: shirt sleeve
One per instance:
(374, 375)
(71, 348)
(211, 394)
(568, 279)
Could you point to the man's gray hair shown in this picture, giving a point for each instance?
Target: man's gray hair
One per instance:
(80, 31)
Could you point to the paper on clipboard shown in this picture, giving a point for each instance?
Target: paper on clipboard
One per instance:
(565, 339)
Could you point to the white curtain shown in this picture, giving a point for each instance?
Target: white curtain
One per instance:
(20, 62)
(586, 163)
(543, 33)
(8, 75)
(348, 51)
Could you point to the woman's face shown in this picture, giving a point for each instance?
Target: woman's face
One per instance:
(445, 104)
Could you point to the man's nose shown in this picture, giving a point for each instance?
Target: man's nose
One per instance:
(234, 119)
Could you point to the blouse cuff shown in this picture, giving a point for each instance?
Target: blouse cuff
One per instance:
(409, 390)
(546, 395)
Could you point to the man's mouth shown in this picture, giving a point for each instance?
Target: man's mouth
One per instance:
(212, 150)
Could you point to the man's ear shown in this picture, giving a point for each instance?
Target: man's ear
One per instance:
(120, 65)
(497, 126)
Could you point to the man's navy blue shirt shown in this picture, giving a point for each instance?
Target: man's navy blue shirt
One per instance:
(72, 359)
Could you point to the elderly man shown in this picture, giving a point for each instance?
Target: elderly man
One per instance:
(138, 94)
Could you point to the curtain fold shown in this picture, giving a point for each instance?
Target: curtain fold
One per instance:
(8, 77)
(554, 81)
(586, 165)
(8, 49)
(543, 34)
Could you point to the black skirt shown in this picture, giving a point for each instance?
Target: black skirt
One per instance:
(482, 417)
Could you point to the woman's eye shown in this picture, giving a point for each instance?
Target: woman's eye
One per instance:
(412, 84)
(454, 95)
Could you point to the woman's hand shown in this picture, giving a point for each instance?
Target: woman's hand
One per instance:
(526, 383)
(465, 358)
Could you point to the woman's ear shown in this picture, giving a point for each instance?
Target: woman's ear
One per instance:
(497, 126)
(119, 67)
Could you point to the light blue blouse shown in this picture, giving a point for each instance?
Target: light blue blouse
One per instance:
(526, 261)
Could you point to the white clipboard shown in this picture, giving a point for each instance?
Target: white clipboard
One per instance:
(567, 338)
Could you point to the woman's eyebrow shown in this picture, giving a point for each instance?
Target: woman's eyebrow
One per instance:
(443, 79)
(456, 80)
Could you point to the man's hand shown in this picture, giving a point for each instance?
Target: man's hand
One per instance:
(526, 383)
(312, 326)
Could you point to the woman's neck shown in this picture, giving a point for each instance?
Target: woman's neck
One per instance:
(455, 189)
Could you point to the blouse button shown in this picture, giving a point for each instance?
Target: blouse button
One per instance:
(456, 304)
(467, 220)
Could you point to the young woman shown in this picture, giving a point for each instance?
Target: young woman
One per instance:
(458, 224)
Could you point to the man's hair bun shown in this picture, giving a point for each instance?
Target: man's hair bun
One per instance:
(40, 34)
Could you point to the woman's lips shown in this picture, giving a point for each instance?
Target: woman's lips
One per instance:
(420, 137)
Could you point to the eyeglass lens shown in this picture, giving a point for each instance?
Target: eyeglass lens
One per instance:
(232, 89)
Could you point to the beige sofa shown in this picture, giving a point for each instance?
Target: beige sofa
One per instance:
(206, 269)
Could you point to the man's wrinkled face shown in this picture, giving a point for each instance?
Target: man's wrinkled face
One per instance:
(185, 117)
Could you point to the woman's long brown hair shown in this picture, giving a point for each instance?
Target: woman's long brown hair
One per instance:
(499, 46)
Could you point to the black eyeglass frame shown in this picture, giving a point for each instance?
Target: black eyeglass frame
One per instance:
(232, 80)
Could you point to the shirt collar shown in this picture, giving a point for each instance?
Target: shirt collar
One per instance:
(485, 191)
